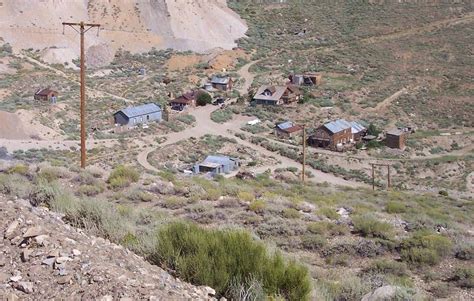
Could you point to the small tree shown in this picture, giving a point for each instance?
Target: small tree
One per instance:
(372, 130)
(203, 99)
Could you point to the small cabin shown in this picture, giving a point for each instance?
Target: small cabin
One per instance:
(217, 165)
(396, 138)
(143, 114)
(46, 95)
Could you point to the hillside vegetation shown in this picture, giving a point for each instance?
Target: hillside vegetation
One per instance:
(351, 241)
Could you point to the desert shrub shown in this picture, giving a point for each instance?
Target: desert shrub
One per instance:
(395, 207)
(220, 258)
(213, 194)
(258, 206)
(246, 196)
(425, 248)
(464, 277)
(291, 213)
(338, 260)
(328, 212)
(203, 99)
(174, 202)
(324, 227)
(97, 217)
(313, 241)
(465, 251)
(346, 288)
(221, 116)
(52, 173)
(140, 196)
(15, 185)
(123, 176)
(388, 267)
(20, 169)
(188, 119)
(368, 226)
(90, 190)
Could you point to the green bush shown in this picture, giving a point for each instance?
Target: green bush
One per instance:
(330, 228)
(329, 212)
(123, 176)
(395, 207)
(246, 196)
(52, 173)
(221, 116)
(388, 267)
(219, 258)
(203, 99)
(15, 185)
(368, 226)
(90, 190)
(291, 213)
(425, 248)
(258, 206)
(313, 241)
(464, 277)
(18, 169)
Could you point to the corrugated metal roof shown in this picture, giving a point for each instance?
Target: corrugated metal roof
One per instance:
(220, 80)
(337, 125)
(145, 109)
(285, 125)
(357, 127)
(223, 160)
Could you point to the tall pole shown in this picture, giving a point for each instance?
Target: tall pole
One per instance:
(82, 30)
(303, 175)
(83, 100)
(373, 177)
(388, 178)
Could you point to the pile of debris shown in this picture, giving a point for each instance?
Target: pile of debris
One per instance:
(41, 258)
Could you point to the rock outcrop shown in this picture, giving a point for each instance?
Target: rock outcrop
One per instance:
(42, 258)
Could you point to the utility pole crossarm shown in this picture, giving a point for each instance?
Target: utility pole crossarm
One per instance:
(81, 23)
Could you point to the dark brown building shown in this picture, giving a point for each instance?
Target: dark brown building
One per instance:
(46, 95)
(332, 134)
(277, 95)
(307, 79)
(187, 99)
(396, 139)
(224, 83)
(287, 130)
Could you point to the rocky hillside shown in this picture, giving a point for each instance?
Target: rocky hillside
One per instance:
(132, 25)
(41, 257)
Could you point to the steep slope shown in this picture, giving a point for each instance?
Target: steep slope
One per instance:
(132, 25)
(43, 258)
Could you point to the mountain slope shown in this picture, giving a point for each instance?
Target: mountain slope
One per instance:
(132, 25)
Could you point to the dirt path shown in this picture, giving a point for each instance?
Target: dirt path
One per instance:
(204, 125)
(383, 105)
(247, 76)
(92, 92)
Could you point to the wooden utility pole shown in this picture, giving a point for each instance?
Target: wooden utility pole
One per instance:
(303, 173)
(388, 177)
(82, 30)
(373, 177)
